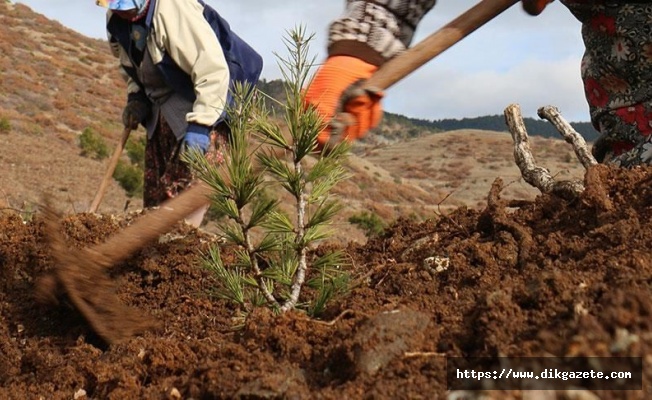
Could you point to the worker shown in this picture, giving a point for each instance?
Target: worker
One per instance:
(178, 84)
(616, 68)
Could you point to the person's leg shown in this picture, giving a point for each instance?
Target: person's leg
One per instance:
(624, 136)
(167, 175)
(160, 149)
(640, 154)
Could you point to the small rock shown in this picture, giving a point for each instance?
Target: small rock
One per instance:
(436, 264)
(386, 336)
(580, 310)
(623, 340)
(287, 383)
(174, 394)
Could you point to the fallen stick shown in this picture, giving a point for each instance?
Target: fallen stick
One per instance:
(539, 177)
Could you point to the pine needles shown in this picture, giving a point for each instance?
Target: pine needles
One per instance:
(273, 260)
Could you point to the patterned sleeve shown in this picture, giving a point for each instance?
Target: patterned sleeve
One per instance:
(376, 31)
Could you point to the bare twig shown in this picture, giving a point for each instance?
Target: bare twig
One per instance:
(362, 279)
(334, 321)
(518, 203)
(18, 210)
(569, 134)
(539, 177)
(496, 211)
(441, 214)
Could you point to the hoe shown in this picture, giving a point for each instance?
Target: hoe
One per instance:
(82, 274)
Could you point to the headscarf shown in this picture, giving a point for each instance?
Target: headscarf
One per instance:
(123, 5)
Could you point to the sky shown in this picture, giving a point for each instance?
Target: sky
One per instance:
(515, 58)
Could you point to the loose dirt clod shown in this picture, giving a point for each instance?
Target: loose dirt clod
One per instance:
(386, 336)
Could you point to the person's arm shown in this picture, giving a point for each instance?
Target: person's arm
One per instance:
(180, 29)
(363, 38)
(373, 32)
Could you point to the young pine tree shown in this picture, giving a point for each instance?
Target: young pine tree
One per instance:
(272, 257)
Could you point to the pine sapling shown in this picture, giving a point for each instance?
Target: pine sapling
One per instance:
(308, 184)
(272, 256)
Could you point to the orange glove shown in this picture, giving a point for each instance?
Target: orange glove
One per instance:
(535, 7)
(335, 90)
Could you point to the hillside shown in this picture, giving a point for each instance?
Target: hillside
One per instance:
(57, 83)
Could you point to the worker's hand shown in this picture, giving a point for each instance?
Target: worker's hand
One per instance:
(135, 112)
(197, 137)
(535, 7)
(333, 91)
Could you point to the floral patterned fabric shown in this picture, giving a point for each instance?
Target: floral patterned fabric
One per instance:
(166, 175)
(617, 75)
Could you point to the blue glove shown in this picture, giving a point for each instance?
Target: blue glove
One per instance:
(197, 137)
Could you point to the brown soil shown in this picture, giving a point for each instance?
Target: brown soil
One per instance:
(551, 277)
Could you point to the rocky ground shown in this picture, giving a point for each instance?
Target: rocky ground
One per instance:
(546, 278)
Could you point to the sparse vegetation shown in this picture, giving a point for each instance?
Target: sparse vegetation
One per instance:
(130, 178)
(93, 145)
(5, 125)
(130, 174)
(369, 222)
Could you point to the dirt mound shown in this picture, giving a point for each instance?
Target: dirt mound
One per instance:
(550, 277)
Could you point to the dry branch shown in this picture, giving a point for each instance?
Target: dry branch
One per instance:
(539, 177)
(569, 134)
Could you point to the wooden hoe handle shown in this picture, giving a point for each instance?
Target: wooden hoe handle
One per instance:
(108, 175)
(148, 227)
(407, 62)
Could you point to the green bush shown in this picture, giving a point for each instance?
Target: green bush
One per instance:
(130, 177)
(130, 174)
(5, 125)
(370, 223)
(135, 148)
(92, 145)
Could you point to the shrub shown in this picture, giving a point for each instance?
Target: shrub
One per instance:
(5, 125)
(92, 145)
(370, 223)
(135, 148)
(130, 177)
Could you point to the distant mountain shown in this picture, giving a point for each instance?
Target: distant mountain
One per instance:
(536, 127)
(397, 127)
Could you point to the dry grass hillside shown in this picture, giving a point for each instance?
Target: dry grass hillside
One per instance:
(56, 83)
